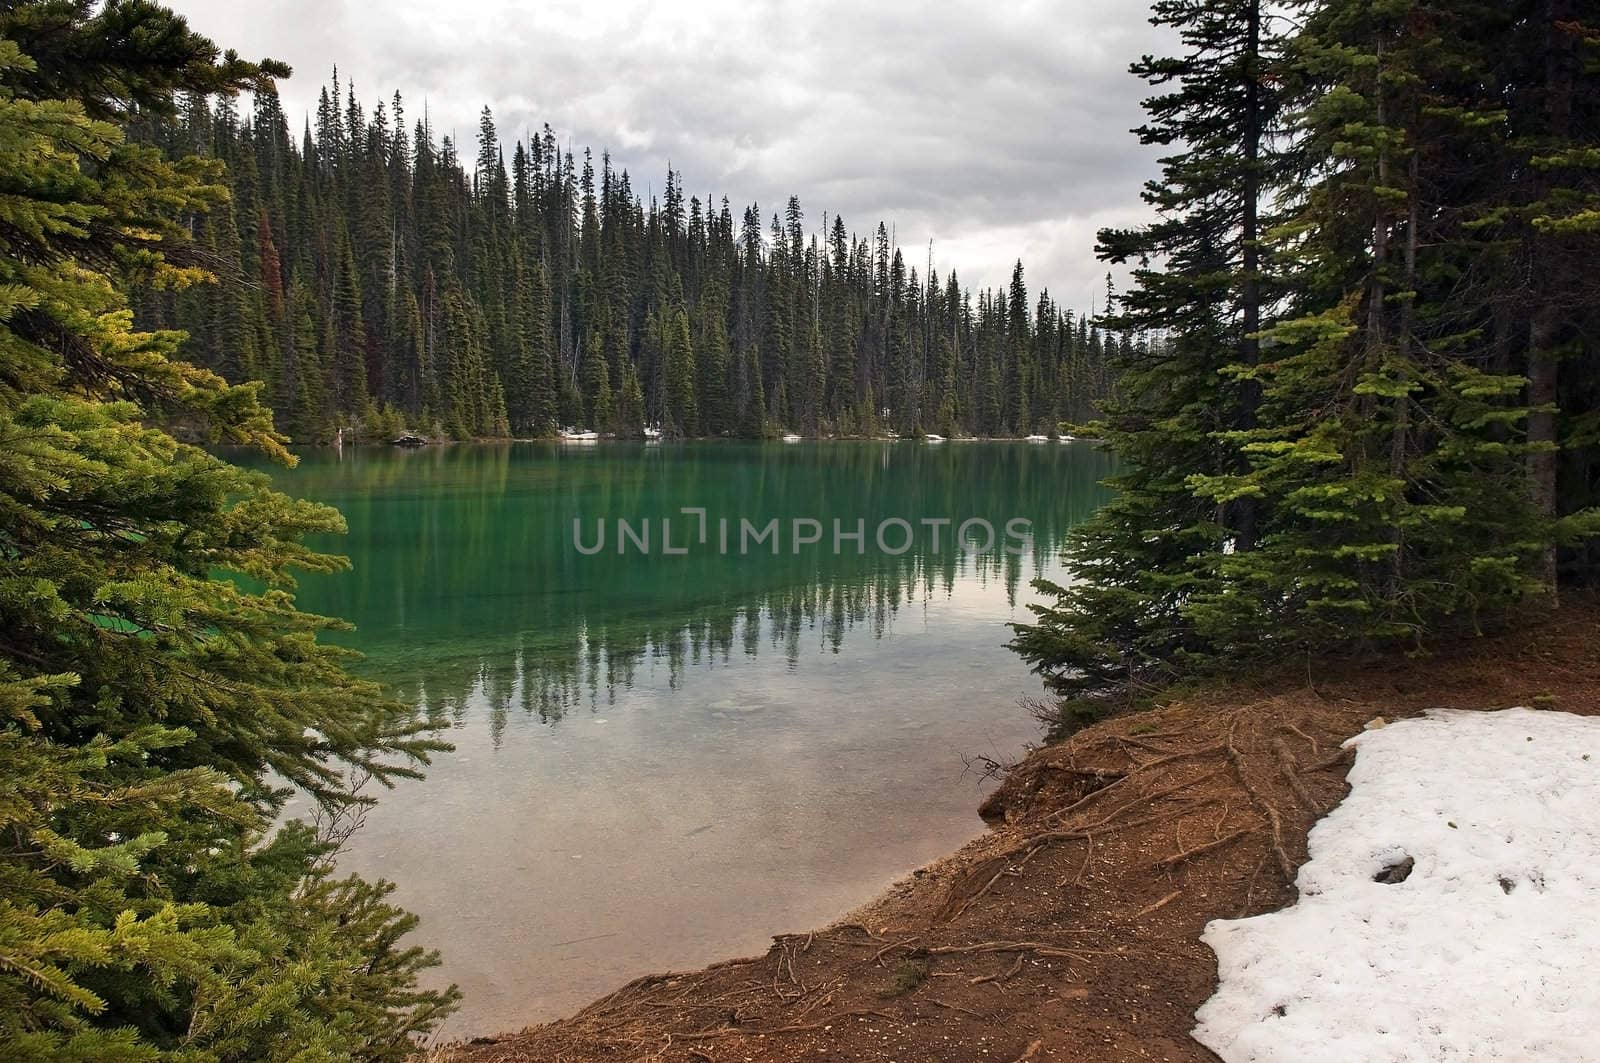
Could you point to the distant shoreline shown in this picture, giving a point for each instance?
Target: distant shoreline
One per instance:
(503, 440)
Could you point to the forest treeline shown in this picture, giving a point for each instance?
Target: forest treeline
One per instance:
(1376, 253)
(374, 278)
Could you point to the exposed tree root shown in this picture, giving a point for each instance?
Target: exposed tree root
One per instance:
(1286, 764)
(1346, 754)
(728, 1031)
(1170, 862)
(1009, 973)
(1308, 738)
(1266, 807)
(956, 1007)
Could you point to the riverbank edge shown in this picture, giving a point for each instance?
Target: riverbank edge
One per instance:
(1071, 929)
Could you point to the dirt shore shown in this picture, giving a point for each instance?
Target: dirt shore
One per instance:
(1071, 930)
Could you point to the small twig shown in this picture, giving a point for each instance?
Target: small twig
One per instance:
(1156, 907)
(957, 1007)
(1170, 862)
(1015, 967)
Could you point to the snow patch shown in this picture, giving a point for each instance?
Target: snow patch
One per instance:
(1486, 949)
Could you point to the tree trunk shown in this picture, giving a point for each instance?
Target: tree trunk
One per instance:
(1542, 390)
(1246, 511)
(1386, 583)
(1545, 322)
(1400, 442)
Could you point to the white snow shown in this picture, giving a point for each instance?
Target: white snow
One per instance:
(1489, 950)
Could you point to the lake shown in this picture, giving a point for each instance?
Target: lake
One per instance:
(662, 758)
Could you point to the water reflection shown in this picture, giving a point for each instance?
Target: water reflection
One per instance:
(467, 578)
(660, 760)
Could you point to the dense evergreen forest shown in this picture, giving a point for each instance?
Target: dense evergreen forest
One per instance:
(1376, 251)
(372, 278)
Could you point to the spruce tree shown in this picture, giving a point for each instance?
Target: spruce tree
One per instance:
(1405, 504)
(1156, 547)
(682, 411)
(1372, 463)
(602, 405)
(159, 713)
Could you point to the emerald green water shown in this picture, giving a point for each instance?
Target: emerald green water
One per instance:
(661, 759)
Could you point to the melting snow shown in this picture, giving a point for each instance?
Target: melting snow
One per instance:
(1487, 948)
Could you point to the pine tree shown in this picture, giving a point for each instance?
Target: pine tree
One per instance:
(158, 717)
(814, 380)
(1386, 372)
(1157, 546)
(347, 351)
(525, 376)
(630, 406)
(1373, 463)
(682, 412)
(602, 405)
(713, 363)
(1554, 186)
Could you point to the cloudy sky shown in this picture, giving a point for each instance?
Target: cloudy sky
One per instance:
(996, 130)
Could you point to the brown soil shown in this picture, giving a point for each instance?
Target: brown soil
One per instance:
(1071, 931)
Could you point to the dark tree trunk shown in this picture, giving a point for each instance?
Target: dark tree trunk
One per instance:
(1246, 515)
(1545, 323)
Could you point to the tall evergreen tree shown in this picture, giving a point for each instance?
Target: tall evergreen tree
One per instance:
(158, 717)
(1385, 472)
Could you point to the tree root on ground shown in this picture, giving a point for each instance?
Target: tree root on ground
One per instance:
(1266, 808)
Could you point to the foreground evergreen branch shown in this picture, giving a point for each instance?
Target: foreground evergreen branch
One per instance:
(157, 714)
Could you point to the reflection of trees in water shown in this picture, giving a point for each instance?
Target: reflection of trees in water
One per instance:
(598, 658)
(466, 584)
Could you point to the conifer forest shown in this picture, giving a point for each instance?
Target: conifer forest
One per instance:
(375, 276)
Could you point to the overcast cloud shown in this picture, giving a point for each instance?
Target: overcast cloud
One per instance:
(997, 130)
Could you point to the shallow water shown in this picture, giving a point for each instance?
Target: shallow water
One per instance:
(661, 760)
